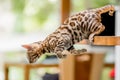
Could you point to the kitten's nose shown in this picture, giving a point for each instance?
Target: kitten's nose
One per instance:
(32, 61)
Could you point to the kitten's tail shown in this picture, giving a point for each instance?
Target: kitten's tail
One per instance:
(104, 9)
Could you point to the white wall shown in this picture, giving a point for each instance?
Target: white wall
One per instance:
(117, 48)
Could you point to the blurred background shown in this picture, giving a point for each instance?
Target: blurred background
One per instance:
(27, 21)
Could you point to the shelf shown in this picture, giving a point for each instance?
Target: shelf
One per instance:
(107, 40)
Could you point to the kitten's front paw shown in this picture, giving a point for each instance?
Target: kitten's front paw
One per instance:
(81, 51)
(61, 56)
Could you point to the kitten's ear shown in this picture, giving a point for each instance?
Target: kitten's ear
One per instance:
(27, 46)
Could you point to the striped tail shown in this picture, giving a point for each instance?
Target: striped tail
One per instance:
(104, 9)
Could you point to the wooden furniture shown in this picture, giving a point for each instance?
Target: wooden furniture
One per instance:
(96, 66)
(73, 69)
(65, 9)
(107, 40)
(26, 67)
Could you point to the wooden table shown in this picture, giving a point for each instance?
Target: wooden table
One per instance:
(26, 67)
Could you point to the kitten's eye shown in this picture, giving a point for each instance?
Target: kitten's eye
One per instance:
(30, 51)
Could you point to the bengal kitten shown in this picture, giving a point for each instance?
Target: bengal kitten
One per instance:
(83, 25)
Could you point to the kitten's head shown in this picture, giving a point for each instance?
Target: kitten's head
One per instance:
(34, 51)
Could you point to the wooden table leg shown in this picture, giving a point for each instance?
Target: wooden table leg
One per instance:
(97, 66)
(67, 68)
(6, 70)
(26, 72)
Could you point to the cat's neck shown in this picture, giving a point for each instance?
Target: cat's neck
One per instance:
(45, 47)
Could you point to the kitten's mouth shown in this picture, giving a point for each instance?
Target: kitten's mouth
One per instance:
(30, 61)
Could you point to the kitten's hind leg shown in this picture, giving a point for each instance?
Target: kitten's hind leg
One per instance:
(100, 29)
(111, 12)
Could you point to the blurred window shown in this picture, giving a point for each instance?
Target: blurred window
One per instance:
(22, 16)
